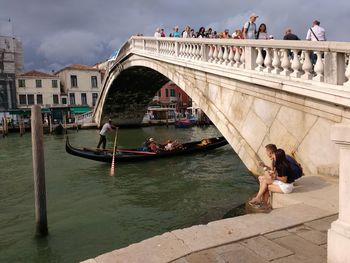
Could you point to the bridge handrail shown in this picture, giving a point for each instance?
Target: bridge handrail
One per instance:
(321, 61)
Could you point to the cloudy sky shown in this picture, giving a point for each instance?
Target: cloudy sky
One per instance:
(56, 33)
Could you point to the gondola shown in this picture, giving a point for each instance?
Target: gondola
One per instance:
(133, 155)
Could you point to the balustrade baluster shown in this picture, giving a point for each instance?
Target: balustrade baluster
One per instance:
(242, 59)
(276, 62)
(285, 63)
(168, 49)
(231, 56)
(186, 50)
(347, 71)
(215, 54)
(198, 51)
(182, 49)
(260, 60)
(319, 67)
(190, 51)
(237, 57)
(220, 55)
(307, 65)
(225, 55)
(296, 65)
(268, 61)
(210, 54)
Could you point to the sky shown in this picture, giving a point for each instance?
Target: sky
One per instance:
(56, 33)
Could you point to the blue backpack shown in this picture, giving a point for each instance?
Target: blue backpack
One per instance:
(296, 167)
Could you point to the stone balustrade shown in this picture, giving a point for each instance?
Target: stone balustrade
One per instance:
(323, 62)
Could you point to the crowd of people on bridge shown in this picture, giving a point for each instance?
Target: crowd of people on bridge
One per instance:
(248, 31)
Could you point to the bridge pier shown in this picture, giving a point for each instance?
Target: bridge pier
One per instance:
(339, 234)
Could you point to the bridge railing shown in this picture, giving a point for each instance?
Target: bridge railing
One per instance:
(324, 62)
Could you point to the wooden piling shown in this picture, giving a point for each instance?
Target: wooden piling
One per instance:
(3, 126)
(39, 171)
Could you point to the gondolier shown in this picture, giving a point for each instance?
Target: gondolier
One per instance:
(105, 128)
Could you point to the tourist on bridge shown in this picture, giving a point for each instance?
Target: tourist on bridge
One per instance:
(158, 32)
(187, 32)
(249, 28)
(105, 128)
(262, 32)
(201, 32)
(288, 35)
(315, 32)
(176, 32)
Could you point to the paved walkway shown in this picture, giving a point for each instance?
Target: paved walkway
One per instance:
(304, 243)
(295, 231)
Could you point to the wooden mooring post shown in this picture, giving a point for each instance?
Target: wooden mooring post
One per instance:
(39, 171)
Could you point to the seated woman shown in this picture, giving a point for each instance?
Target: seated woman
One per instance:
(278, 180)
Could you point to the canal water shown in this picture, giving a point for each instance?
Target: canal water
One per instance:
(90, 212)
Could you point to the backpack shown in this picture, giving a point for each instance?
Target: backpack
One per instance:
(296, 167)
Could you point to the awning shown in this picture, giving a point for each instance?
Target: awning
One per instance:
(79, 110)
(45, 110)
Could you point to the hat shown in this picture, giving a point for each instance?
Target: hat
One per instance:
(226, 30)
(151, 139)
(253, 15)
(110, 120)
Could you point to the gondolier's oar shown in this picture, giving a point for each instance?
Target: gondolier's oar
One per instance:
(114, 149)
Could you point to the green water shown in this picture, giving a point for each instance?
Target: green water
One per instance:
(90, 212)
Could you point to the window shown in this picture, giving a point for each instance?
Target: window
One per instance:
(54, 83)
(21, 83)
(30, 99)
(172, 93)
(38, 83)
(39, 99)
(166, 93)
(64, 100)
(55, 99)
(71, 98)
(23, 99)
(94, 98)
(159, 93)
(73, 81)
(93, 81)
(83, 99)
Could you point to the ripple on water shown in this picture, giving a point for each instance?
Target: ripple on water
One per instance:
(90, 212)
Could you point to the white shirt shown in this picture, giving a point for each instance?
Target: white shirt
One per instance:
(185, 34)
(157, 34)
(319, 32)
(105, 128)
(250, 34)
(263, 35)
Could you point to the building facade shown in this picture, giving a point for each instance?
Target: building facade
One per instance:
(171, 96)
(81, 84)
(11, 63)
(35, 87)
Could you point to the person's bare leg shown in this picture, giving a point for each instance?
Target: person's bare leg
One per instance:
(275, 188)
(262, 189)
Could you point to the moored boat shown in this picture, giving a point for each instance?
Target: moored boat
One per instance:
(133, 155)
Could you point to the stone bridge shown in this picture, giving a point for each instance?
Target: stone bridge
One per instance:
(255, 91)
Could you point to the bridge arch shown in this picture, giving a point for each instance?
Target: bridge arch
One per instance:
(251, 109)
